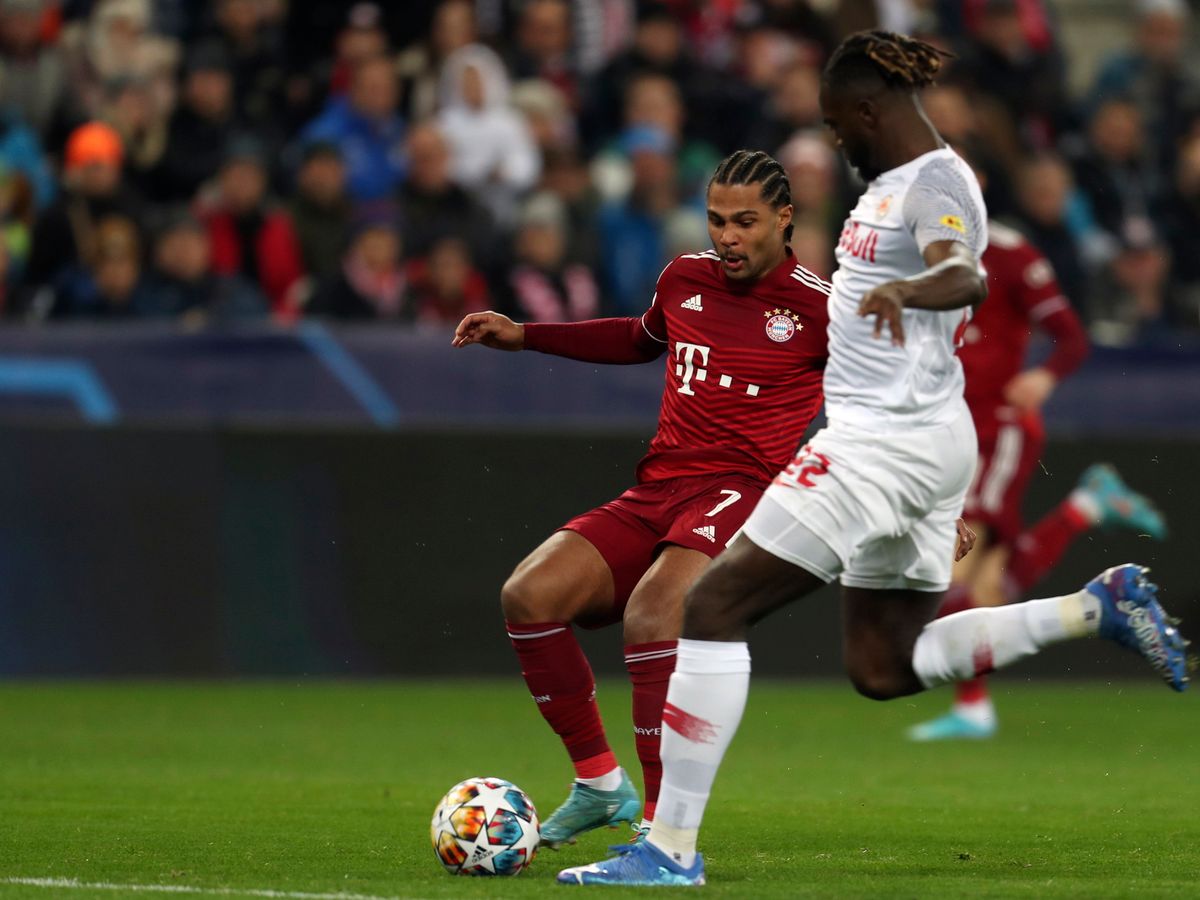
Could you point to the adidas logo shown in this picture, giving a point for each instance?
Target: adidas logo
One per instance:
(480, 853)
(707, 532)
(693, 303)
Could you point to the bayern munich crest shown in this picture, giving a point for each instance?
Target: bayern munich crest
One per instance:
(782, 324)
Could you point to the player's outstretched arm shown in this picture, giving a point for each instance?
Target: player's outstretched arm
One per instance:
(490, 329)
(953, 279)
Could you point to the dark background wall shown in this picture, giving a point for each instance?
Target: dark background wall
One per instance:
(189, 551)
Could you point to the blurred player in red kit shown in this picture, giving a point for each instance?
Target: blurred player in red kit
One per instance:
(744, 330)
(1005, 402)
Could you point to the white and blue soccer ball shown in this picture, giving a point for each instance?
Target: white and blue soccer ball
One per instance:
(485, 826)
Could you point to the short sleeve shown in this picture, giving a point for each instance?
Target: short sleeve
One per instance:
(940, 207)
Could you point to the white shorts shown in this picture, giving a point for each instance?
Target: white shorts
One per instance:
(884, 504)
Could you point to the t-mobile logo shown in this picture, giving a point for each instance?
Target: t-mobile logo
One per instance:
(690, 358)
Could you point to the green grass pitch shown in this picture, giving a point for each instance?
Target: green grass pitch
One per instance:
(1090, 791)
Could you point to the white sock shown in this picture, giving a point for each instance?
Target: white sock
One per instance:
(609, 781)
(981, 712)
(1086, 505)
(973, 642)
(704, 706)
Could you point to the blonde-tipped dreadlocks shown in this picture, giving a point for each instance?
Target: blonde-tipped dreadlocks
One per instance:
(900, 61)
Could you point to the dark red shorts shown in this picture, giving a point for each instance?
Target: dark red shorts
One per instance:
(700, 512)
(1010, 444)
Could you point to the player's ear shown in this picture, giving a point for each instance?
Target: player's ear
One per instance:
(784, 217)
(868, 111)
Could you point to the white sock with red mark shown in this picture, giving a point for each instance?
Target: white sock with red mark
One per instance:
(976, 641)
(704, 706)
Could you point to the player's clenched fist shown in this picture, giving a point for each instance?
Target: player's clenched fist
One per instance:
(490, 329)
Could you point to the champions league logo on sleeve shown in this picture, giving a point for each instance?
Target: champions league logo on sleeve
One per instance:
(782, 324)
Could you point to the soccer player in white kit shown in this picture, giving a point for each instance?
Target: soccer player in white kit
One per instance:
(872, 500)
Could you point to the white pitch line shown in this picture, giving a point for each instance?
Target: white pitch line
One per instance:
(76, 884)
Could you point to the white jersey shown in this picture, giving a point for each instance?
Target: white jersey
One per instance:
(869, 383)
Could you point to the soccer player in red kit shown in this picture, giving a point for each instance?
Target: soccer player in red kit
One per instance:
(743, 327)
(1005, 402)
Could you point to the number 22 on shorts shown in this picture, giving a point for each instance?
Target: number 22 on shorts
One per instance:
(807, 465)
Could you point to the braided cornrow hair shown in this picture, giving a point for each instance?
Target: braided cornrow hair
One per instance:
(757, 167)
(901, 62)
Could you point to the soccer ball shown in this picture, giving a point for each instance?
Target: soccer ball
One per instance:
(485, 826)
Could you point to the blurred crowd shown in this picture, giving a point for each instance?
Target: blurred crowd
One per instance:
(415, 161)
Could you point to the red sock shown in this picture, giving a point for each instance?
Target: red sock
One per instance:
(973, 691)
(564, 689)
(650, 667)
(1038, 548)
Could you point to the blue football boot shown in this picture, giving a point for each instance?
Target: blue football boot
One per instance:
(1120, 506)
(638, 865)
(952, 726)
(587, 808)
(1131, 615)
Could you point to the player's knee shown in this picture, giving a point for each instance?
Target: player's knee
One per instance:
(709, 616)
(880, 682)
(522, 602)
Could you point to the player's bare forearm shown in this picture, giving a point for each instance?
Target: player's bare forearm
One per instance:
(951, 281)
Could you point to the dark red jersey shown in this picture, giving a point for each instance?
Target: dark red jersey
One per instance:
(744, 367)
(1022, 293)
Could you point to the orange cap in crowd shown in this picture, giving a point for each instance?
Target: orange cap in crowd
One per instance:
(94, 142)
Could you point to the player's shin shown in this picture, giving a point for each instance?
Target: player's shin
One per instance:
(976, 641)
(650, 666)
(564, 689)
(703, 708)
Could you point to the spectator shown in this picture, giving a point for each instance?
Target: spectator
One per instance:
(16, 230)
(434, 206)
(420, 65)
(21, 151)
(1018, 64)
(445, 285)
(1044, 201)
(1117, 179)
(658, 47)
(544, 46)
(491, 149)
(793, 105)
(634, 232)
(142, 127)
(361, 39)
(812, 247)
(367, 129)
(33, 74)
(200, 129)
(321, 210)
(1183, 228)
(1154, 74)
(545, 285)
(654, 101)
(372, 282)
(546, 114)
(1124, 197)
(566, 176)
(250, 234)
(183, 282)
(811, 167)
(109, 284)
(115, 42)
(92, 190)
(255, 50)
